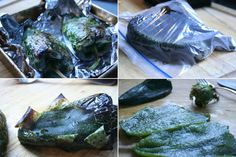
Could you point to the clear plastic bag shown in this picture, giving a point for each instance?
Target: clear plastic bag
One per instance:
(170, 38)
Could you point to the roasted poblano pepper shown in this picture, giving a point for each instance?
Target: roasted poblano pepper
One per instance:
(147, 91)
(203, 94)
(3, 135)
(46, 53)
(169, 117)
(202, 140)
(86, 123)
(168, 33)
(87, 36)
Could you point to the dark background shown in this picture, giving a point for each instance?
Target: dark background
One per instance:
(227, 3)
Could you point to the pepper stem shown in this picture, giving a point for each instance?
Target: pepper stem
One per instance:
(60, 73)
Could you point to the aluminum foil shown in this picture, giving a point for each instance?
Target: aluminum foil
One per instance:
(50, 21)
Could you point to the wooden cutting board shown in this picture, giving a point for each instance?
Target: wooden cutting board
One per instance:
(219, 64)
(15, 99)
(223, 111)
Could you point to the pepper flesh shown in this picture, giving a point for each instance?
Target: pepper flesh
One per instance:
(147, 91)
(207, 139)
(3, 135)
(69, 125)
(151, 120)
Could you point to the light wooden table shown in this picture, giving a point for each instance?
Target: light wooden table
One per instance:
(15, 99)
(219, 64)
(223, 111)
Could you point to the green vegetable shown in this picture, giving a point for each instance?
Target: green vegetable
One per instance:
(46, 53)
(86, 123)
(203, 94)
(87, 36)
(168, 117)
(3, 135)
(202, 140)
(98, 138)
(147, 91)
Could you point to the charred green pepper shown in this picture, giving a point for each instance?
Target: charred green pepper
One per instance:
(172, 131)
(86, 123)
(46, 53)
(3, 135)
(169, 117)
(147, 91)
(203, 94)
(88, 37)
(207, 139)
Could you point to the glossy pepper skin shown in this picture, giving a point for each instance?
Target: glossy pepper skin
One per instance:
(3, 135)
(87, 36)
(46, 53)
(203, 94)
(147, 91)
(83, 124)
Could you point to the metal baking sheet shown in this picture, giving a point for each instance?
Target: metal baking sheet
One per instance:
(33, 13)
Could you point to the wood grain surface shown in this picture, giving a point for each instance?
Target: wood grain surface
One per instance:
(4, 72)
(15, 99)
(219, 64)
(14, 6)
(223, 111)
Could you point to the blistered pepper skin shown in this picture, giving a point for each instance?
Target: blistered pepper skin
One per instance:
(87, 36)
(46, 53)
(72, 125)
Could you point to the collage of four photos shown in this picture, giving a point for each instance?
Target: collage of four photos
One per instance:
(117, 78)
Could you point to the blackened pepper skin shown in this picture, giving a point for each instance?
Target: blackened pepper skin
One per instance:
(3, 135)
(88, 37)
(147, 91)
(46, 53)
(83, 124)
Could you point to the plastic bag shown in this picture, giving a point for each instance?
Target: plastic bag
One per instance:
(170, 38)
